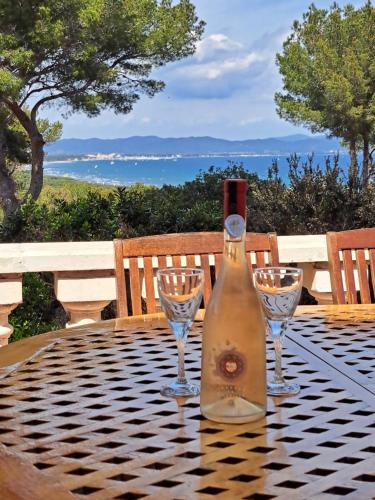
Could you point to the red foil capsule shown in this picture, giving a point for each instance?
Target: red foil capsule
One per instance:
(235, 191)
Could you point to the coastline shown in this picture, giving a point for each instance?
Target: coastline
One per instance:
(56, 159)
(115, 170)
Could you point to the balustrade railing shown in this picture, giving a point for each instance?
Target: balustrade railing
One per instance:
(84, 281)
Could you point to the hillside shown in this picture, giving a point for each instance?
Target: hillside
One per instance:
(153, 145)
(61, 187)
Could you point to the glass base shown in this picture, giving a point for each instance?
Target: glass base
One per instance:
(282, 389)
(233, 410)
(177, 390)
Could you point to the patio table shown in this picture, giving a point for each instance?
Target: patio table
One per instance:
(81, 416)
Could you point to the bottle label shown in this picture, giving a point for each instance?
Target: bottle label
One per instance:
(235, 225)
(230, 365)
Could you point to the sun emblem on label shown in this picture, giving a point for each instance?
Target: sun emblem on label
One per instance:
(230, 364)
(235, 225)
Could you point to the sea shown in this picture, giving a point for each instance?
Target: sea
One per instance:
(174, 170)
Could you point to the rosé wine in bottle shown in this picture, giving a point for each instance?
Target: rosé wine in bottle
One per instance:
(233, 384)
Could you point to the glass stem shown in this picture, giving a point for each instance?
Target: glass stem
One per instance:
(181, 332)
(277, 331)
(181, 379)
(278, 373)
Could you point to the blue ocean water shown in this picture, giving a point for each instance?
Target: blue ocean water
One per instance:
(166, 170)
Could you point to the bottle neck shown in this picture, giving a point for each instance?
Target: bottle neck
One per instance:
(234, 248)
(235, 219)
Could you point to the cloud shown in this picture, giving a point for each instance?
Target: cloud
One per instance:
(214, 46)
(249, 121)
(217, 69)
(222, 67)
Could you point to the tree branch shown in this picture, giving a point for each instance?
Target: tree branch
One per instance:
(58, 96)
(34, 91)
(35, 108)
(22, 117)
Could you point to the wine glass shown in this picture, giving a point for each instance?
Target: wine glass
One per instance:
(279, 289)
(180, 292)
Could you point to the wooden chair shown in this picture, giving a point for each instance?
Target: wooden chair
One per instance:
(155, 249)
(358, 241)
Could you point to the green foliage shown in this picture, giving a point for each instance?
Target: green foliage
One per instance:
(40, 311)
(318, 199)
(17, 147)
(61, 187)
(314, 200)
(89, 55)
(328, 71)
(193, 206)
(92, 54)
(268, 208)
(92, 217)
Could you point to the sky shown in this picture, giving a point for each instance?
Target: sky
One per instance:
(226, 89)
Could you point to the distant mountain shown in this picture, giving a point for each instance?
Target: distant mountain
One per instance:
(153, 145)
(295, 137)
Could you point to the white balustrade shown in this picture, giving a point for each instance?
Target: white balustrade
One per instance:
(84, 294)
(10, 297)
(84, 281)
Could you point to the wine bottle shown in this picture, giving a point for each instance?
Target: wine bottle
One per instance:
(233, 384)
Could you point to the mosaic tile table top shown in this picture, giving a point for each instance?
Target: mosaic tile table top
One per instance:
(81, 416)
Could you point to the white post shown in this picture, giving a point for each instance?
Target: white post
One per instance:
(84, 294)
(84, 313)
(10, 297)
(320, 283)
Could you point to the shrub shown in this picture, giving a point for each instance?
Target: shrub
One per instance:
(40, 311)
